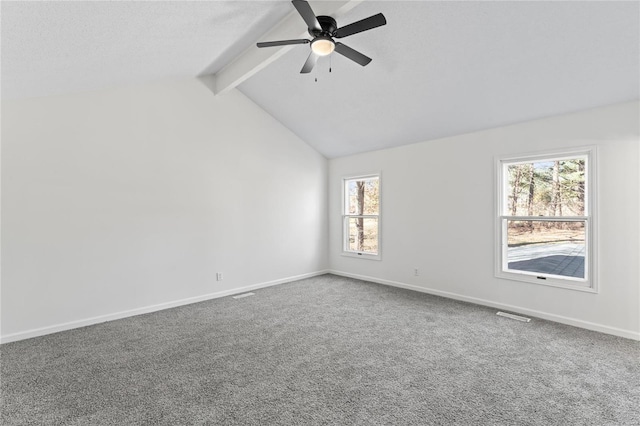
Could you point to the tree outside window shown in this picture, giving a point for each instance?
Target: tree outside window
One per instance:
(545, 222)
(361, 216)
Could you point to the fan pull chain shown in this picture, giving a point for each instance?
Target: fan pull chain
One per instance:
(330, 68)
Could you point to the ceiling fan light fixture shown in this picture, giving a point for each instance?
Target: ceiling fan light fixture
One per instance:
(322, 46)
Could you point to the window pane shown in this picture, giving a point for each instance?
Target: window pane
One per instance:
(363, 196)
(551, 248)
(546, 188)
(362, 235)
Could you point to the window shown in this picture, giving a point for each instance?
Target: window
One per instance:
(361, 217)
(545, 221)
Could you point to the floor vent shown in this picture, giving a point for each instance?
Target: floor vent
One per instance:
(240, 296)
(512, 316)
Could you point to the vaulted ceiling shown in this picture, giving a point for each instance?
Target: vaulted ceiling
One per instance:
(438, 69)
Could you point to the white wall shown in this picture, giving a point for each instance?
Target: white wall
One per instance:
(438, 216)
(121, 201)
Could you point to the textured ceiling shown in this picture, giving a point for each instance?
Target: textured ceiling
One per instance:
(439, 68)
(447, 68)
(51, 48)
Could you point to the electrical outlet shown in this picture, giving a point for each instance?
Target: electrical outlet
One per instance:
(218, 276)
(416, 272)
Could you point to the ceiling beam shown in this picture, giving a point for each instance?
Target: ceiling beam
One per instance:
(253, 59)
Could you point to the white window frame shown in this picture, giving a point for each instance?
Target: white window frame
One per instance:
(346, 216)
(589, 283)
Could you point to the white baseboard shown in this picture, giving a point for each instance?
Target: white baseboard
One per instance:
(517, 309)
(147, 309)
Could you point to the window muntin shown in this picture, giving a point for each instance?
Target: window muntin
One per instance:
(545, 219)
(361, 216)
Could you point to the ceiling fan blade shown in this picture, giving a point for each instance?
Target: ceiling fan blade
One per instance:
(357, 27)
(282, 42)
(310, 63)
(304, 9)
(354, 55)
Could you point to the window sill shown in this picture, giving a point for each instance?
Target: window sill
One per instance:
(569, 284)
(361, 255)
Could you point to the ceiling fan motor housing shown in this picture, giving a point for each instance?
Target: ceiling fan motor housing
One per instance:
(328, 24)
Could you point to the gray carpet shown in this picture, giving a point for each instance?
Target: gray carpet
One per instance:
(326, 350)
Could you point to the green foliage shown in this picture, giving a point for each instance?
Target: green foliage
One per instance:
(547, 188)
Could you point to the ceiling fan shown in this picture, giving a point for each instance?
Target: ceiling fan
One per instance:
(323, 29)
